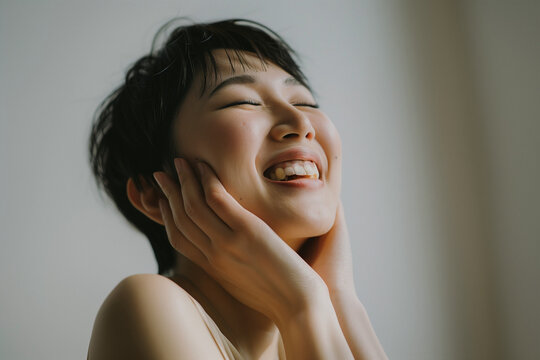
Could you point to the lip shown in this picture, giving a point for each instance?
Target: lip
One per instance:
(295, 154)
(298, 183)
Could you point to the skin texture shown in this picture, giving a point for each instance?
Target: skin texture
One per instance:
(275, 256)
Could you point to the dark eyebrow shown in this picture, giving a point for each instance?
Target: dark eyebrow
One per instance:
(290, 81)
(248, 79)
(240, 79)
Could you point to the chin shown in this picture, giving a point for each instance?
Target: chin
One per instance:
(298, 227)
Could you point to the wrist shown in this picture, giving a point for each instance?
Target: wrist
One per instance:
(348, 303)
(343, 292)
(311, 299)
(314, 332)
(356, 326)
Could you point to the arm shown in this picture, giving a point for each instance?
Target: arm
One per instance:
(314, 333)
(354, 322)
(330, 256)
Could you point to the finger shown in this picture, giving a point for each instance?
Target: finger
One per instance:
(196, 206)
(221, 201)
(340, 222)
(340, 211)
(178, 240)
(181, 221)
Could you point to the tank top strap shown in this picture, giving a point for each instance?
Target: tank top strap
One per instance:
(227, 349)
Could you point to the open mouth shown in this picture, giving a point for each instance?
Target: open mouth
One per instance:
(291, 170)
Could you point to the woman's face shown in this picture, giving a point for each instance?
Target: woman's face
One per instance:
(258, 123)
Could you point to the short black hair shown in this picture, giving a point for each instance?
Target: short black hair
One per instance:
(131, 131)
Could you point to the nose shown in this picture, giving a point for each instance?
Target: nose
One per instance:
(292, 123)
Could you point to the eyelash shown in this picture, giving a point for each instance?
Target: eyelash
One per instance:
(251, 102)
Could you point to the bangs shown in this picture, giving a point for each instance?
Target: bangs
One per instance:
(236, 37)
(210, 71)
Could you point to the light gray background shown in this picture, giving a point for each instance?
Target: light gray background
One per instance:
(437, 103)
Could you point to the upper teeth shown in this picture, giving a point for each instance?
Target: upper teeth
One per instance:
(296, 167)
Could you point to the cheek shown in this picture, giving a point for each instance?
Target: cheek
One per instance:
(330, 140)
(232, 137)
(230, 147)
(216, 139)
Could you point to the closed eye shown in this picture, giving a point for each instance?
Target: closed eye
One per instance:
(254, 103)
(315, 106)
(241, 102)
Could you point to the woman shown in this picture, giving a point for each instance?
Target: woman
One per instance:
(215, 148)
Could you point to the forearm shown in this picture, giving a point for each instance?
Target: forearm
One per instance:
(314, 332)
(356, 327)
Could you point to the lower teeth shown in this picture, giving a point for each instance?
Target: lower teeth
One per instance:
(294, 177)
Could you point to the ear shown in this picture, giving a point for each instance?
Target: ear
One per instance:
(146, 200)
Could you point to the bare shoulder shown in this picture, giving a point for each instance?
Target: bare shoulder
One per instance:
(148, 316)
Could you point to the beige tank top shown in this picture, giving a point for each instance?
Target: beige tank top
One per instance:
(227, 349)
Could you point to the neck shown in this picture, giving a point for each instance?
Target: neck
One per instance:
(251, 332)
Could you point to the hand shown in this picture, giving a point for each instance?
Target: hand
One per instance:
(330, 256)
(208, 226)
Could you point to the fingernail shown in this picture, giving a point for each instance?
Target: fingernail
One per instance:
(200, 166)
(179, 165)
(159, 179)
